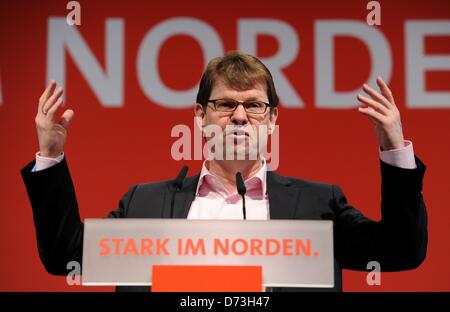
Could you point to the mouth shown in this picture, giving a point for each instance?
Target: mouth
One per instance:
(238, 133)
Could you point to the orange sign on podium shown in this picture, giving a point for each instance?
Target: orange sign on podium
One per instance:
(206, 278)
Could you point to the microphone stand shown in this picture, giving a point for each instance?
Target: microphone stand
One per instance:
(177, 184)
(240, 185)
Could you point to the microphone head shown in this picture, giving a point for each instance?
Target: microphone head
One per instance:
(178, 183)
(240, 184)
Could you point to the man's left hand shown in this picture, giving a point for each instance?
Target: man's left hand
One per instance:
(383, 112)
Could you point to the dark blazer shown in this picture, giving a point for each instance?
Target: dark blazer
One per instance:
(398, 241)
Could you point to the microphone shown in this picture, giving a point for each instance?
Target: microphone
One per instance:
(177, 184)
(241, 190)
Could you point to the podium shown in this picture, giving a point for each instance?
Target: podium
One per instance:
(208, 255)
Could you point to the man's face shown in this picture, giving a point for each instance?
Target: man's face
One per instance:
(241, 131)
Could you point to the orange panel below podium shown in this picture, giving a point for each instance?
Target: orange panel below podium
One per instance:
(205, 278)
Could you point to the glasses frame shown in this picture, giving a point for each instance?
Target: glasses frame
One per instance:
(239, 103)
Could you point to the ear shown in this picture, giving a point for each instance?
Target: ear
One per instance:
(200, 113)
(273, 115)
(200, 117)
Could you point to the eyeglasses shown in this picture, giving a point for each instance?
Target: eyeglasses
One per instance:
(230, 105)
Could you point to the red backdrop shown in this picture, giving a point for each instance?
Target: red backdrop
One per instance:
(109, 149)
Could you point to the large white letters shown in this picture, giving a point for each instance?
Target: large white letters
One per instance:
(249, 29)
(147, 60)
(108, 84)
(417, 63)
(325, 32)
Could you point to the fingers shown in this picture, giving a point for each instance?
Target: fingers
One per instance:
(49, 103)
(372, 114)
(66, 118)
(378, 107)
(385, 90)
(374, 104)
(46, 94)
(52, 100)
(376, 96)
(51, 112)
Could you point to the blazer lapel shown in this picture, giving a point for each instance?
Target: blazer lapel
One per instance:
(283, 197)
(183, 198)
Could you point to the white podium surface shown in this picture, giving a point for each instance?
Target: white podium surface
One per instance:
(292, 253)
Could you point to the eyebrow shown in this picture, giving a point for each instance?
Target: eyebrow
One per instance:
(252, 98)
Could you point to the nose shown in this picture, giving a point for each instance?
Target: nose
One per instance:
(239, 116)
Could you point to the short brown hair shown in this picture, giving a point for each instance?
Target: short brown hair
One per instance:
(239, 71)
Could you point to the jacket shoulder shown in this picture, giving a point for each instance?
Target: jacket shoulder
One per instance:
(302, 183)
(159, 186)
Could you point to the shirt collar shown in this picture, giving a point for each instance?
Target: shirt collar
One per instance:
(259, 175)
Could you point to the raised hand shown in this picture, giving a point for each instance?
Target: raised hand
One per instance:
(52, 135)
(383, 112)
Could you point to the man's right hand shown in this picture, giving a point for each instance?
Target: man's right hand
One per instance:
(52, 135)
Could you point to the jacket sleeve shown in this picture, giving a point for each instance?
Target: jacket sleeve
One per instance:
(59, 230)
(399, 240)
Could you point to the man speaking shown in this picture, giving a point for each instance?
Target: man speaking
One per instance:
(237, 92)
